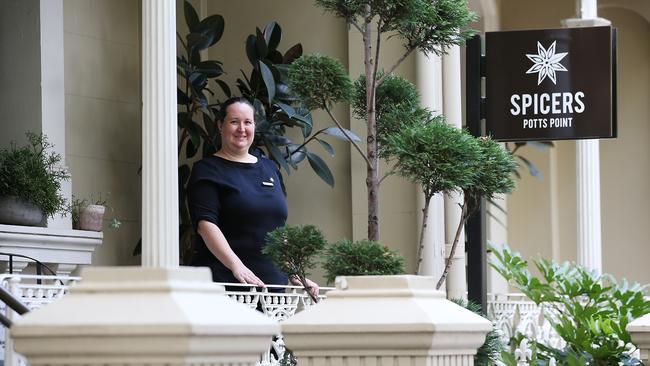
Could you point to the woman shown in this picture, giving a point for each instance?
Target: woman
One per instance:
(235, 199)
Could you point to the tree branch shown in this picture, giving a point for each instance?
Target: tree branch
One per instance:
(387, 175)
(461, 224)
(356, 146)
(404, 56)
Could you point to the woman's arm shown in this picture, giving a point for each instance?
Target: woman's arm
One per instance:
(218, 245)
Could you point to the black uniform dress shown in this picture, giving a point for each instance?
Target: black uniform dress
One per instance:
(245, 200)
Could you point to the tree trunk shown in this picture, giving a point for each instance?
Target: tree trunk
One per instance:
(425, 217)
(461, 224)
(372, 177)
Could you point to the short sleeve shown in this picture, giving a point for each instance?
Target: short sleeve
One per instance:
(203, 199)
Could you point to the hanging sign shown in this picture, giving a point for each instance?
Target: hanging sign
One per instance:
(552, 84)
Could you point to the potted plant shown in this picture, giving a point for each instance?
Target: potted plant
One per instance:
(30, 180)
(361, 258)
(88, 213)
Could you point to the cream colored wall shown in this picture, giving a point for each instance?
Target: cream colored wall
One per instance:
(103, 114)
(624, 161)
(624, 169)
(20, 70)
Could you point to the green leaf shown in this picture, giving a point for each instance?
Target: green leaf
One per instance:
(320, 167)
(181, 97)
(260, 43)
(250, 51)
(224, 87)
(268, 81)
(292, 54)
(213, 25)
(272, 35)
(336, 132)
(326, 146)
(276, 154)
(198, 42)
(191, 18)
(532, 169)
(211, 69)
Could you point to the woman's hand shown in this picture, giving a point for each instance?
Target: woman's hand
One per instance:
(311, 285)
(245, 275)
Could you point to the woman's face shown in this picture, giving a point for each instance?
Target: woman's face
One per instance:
(238, 127)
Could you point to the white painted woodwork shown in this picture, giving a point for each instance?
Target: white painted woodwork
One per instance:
(429, 83)
(453, 110)
(61, 249)
(144, 316)
(360, 324)
(159, 131)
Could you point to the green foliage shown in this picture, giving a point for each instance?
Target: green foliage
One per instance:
(590, 312)
(490, 352)
(394, 92)
(494, 174)
(365, 257)
(33, 173)
(436, 155)
(320, 81)
(294, 249)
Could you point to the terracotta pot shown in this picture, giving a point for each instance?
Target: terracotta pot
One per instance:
(17, 211)
(92, 218)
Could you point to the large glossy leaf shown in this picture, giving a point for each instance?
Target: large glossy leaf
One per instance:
(260, 44)
(320, 168)
(274, 56)
(211, 69)
(541, 145)
(295, 156)
(214, 25)
(199, 41)
(326, 146)
(190, 149)
(260, 112)
(267, 75)
(191, 18)
(336, 132)
(251, 52)
(278, 140)
(289, 110)
(198, 79)
(292, 53)
(181, 97)
(272, 35)
(183, 120)
(224, 87)
(276, 154)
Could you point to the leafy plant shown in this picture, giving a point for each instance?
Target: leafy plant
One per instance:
(589, 311)
(427, 26)
(365, 257)
(443, 158)
(490, 352)
(293, 249)
(32, 173)
(79, 204)
(276, 106)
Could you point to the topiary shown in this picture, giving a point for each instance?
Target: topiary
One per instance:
(365, 257)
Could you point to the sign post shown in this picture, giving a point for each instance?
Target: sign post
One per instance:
(541, 85)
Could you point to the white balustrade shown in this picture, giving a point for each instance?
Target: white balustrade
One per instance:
(36, 291)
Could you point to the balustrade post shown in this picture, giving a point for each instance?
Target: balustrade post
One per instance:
(396, 320)
(639, 330)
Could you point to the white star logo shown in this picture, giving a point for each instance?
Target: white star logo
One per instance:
(546, 63)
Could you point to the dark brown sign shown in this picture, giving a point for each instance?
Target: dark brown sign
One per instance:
(552, 84)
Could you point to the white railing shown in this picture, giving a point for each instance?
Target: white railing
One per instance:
(35, 291)
(514, 314)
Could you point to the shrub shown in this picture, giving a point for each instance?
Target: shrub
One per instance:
(33, 173)
(589, 311)
(364, 257)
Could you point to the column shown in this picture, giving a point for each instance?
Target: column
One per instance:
(452, 108)
(588, 167)
(159, 155)
(53, 91)
(429, 83)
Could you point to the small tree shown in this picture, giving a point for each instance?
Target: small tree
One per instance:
(424, 25)
(437, 156)
(294, 249)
